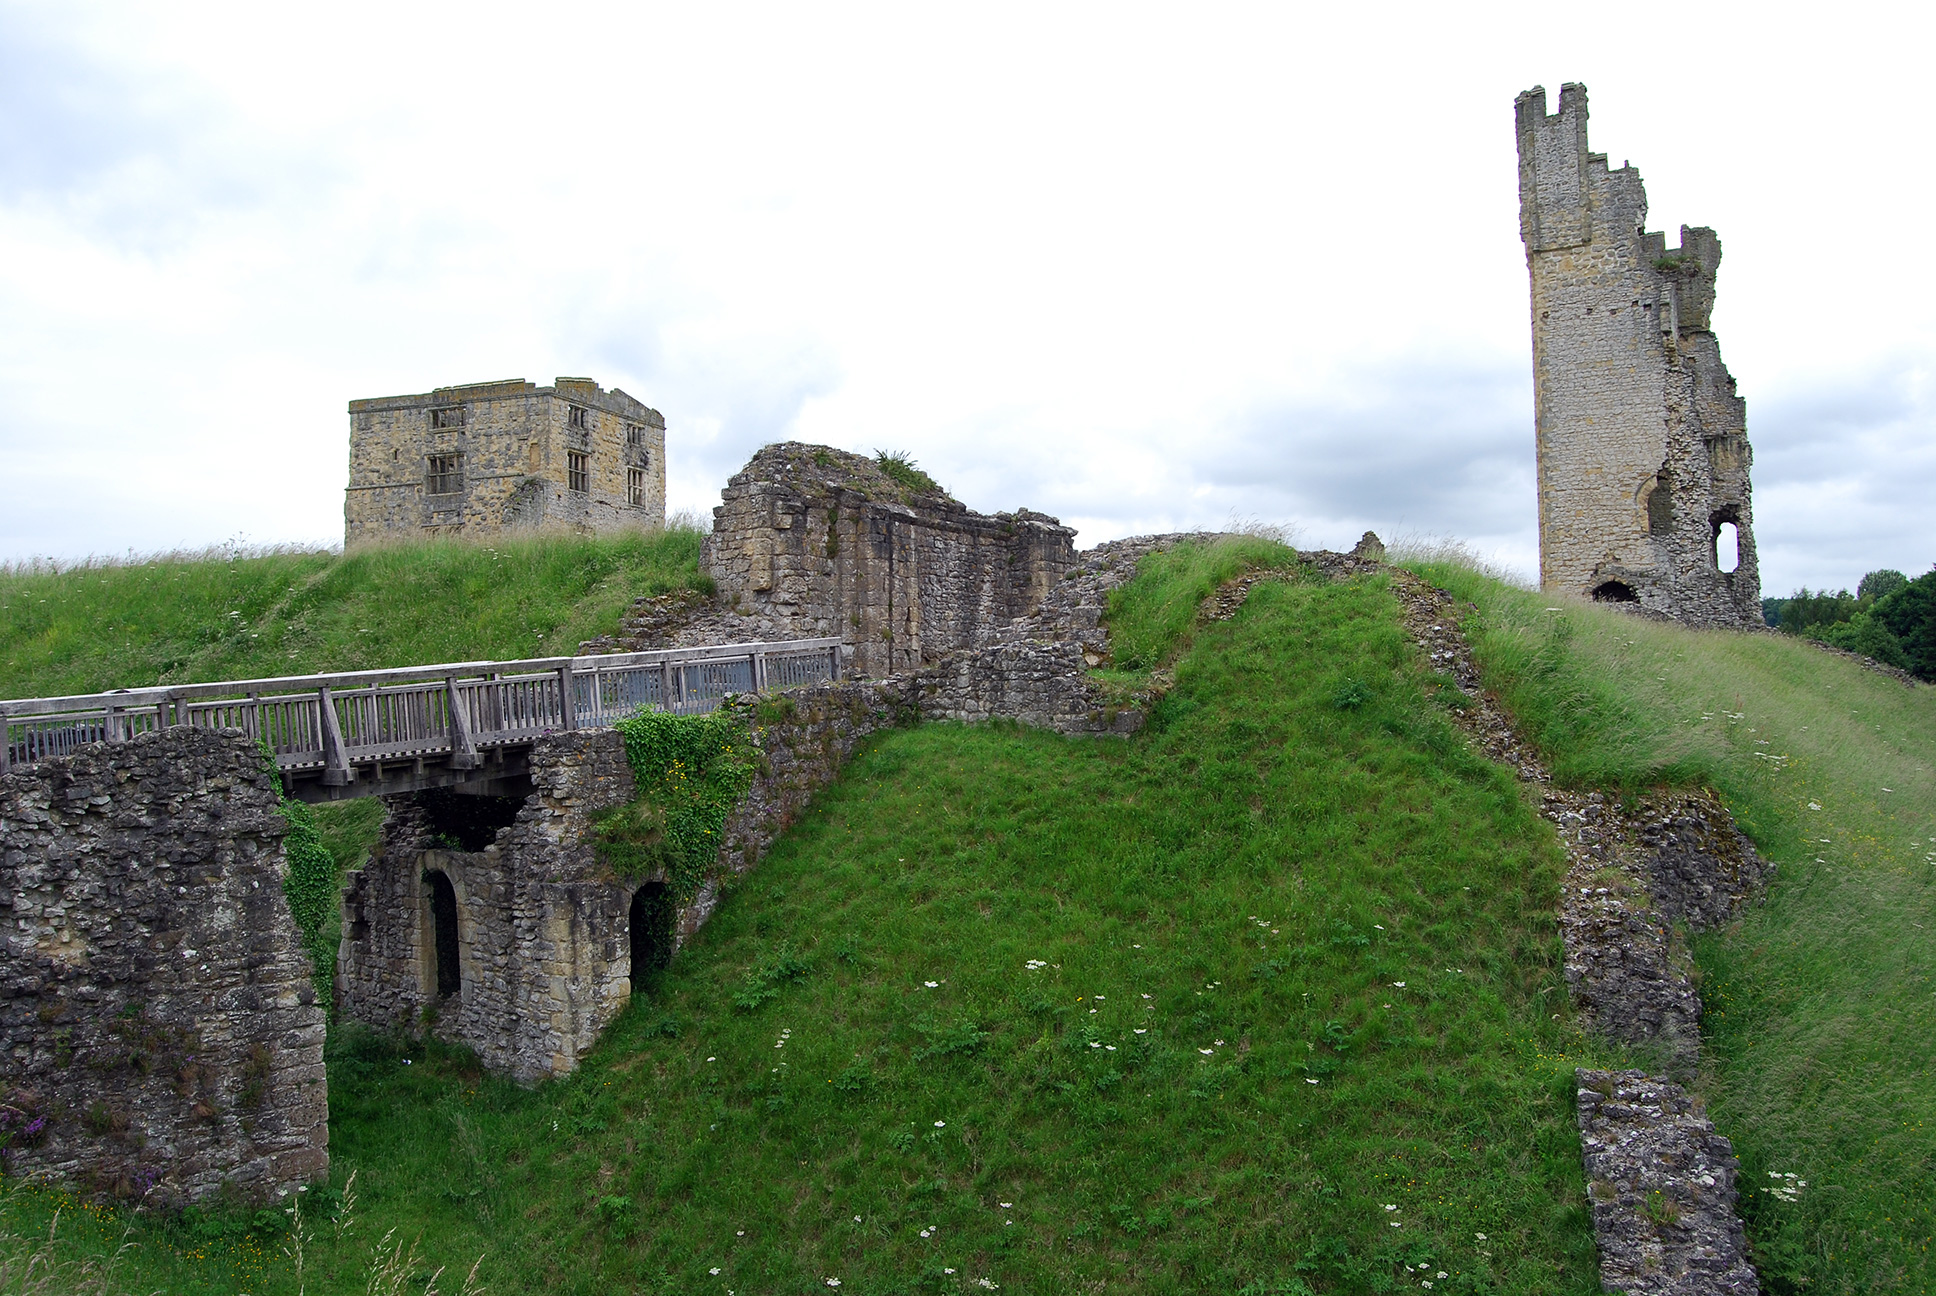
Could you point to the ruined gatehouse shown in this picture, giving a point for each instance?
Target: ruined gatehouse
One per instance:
(1643, 448)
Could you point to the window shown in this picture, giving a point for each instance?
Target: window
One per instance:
(634, 436)
(444, 474)
(578, 471)
(575, 416)
(451, 416)
(635, 487)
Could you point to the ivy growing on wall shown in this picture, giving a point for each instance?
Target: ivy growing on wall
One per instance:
(310, 885)
(691, 771)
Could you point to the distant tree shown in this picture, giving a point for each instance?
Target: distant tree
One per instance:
(1806, 609)
(1863, 633)
(1910, 615)
(1771, 610)
(1880, 584)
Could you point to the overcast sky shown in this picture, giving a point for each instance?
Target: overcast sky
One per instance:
(1143, 268)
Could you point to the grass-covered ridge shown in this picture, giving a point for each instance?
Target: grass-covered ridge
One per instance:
(177, 620)
(1820, 1027)
(1266, 999)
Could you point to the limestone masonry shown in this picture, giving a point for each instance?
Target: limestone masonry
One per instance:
(160, 1033)
(818, 541)
(495, 456)
(1642, 442)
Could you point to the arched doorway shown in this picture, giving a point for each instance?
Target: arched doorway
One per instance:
(1615, 592)
(443, 921)
(652, 930)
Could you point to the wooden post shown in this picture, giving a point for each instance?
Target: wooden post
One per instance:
(463, 751)
(112, 725)
(255, 716)
(567, 704)
(6, 742)
(759, 672)
(336, 760)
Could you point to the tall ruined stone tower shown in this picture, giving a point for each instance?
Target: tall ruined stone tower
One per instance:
(1643, 446)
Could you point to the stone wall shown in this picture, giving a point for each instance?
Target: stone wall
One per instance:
(160, 1031)
(1642, 442)
(543, 930)
(816, 541)
(511, 444)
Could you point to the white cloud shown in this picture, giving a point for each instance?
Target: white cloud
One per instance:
(1139, 268)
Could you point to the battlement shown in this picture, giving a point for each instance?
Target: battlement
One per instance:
(1643, 454)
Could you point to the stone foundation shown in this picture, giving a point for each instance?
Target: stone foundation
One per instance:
(161, 1035)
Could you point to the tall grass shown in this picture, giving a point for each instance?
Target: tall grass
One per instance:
(237, 615)
(1820, 1031)
(1265, 1000)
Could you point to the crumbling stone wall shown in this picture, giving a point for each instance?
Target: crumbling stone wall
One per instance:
(1642, 441)
(485, 457)
(816, 541)
(543, 938)
(160, 1032)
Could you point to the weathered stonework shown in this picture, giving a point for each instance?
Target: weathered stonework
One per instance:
(1642, 442)
(818, 541)
(487, 457)
(541, 929)
(156, 1013)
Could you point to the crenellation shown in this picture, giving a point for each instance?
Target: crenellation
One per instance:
(1642, 448)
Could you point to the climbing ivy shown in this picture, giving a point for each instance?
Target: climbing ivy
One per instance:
(310, 885)
(691, 771)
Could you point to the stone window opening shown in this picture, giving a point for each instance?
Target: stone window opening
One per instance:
(578, 474)
(451, 416)
(467, 821)
(1660, 509)
(1725, 542)
(634, 436)
(576, 417)
(444, 474)
(635, 487)
(1614, 591)
(443, 925)
(652, 920)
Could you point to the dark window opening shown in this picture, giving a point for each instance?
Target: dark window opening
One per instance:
(635, 487)
(465, 821)
(444, 474)
(575, 416)
(1615, 592)
(443, 918)
(634, 436)
(578, 474)
(1660, 510)
(652, 920)
(449, 417)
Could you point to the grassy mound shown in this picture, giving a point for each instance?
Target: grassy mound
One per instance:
(179, 620)
(1820, 1029)
(1267, 999)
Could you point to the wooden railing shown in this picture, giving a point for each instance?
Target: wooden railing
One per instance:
(453, 711)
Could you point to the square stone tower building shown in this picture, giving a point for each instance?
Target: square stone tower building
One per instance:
(496, 456)
(1643, 447)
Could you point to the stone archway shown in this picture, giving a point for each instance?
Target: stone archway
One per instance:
(444, 941)
(653, 930)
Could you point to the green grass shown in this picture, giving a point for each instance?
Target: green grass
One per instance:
(1254, 875)
(177, 620)
(1820, 1032)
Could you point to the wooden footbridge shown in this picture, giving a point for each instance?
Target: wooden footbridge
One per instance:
(461, 724)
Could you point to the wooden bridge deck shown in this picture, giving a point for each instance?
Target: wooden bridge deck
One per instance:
(362, 733)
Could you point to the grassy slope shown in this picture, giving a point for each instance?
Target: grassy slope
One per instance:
(182, 620)
(168, 620)
(1254, 877)
(1821, 1023)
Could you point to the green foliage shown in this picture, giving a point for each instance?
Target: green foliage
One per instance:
(1805, 609)
(1880, 584)
(174, 619)
(897, 465)
(1909, 613)
(1152, 619)
(312, 888)
(691, 771)
(1864, 634)
(1819, 1011)
(1032, 878)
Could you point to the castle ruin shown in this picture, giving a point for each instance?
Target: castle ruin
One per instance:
(1643, 450)
(498, 456)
